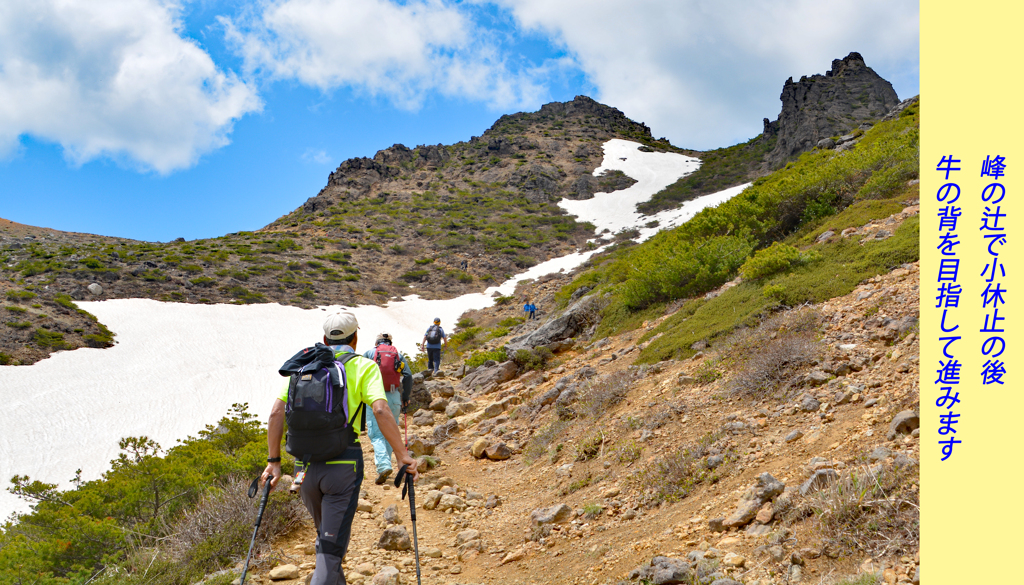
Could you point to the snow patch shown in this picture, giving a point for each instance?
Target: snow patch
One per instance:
(653, 171)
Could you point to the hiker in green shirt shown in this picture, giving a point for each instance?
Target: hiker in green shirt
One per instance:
(330, 489)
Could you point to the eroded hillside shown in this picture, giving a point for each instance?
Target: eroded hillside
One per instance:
(786, 453)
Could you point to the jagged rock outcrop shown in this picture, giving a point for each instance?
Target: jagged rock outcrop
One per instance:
(822, 106)
(574, 321)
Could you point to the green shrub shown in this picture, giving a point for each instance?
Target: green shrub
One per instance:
(6, 359)
(15, 309)
(769, 261)
(18, 324)
(49, 339)
(533, 359)
(65, 300)
(590, 446)
(838, 268)
(509, 322)
(105, 338)
(708, 371)
(674, 476)
(415, 275)
(203, 281)
(770, 356)
(20, 295)
(162, 518)
(706, 251)
(868, 512)
(628, 452)
(542, 440)
(337, 257)
(244, 295)
(478, 358)
(523, 261)
(578, 485)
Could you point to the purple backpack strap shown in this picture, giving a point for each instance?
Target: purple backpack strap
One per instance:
(344, 385)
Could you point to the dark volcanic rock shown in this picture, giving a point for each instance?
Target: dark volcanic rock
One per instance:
(822, 106)
(573, 321)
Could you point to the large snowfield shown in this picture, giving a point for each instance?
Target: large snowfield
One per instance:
(178, 367)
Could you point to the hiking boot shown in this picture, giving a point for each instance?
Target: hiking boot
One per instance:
(382, 477)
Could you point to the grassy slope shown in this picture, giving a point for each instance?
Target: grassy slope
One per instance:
(719, 169)
(821, 190)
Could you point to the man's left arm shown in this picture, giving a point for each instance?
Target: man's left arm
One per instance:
(275, 430)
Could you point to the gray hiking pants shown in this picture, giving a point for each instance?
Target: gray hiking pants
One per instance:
(330, 492)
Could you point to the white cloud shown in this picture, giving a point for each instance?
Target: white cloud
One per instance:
(402, 52)
(115, 80)
(706, 73)
(316, 156)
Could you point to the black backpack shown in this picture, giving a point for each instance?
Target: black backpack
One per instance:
(319, 425)
(434, 334)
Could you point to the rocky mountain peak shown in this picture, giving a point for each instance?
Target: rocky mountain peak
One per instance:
(823, 106)
(580, 108)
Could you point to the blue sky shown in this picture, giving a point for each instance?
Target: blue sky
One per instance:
(157, 119)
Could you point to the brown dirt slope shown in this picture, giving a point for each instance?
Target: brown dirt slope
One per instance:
(670, 459)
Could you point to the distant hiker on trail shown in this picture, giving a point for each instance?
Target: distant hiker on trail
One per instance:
(530, 309)
(464, 265)
(433, 340)
(394, 369)
(330, 385)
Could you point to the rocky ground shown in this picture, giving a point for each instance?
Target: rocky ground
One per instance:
(599, 471)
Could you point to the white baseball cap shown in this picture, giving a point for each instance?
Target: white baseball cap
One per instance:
(340, 325)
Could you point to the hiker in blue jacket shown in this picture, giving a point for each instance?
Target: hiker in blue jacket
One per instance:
(381, 449)
(433, 340)
(530, 309)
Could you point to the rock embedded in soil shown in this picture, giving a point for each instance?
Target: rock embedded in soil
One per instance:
(499, 452)
(903, 424)
(663, 571)
(395, 537)
(551, 515)
(477, 450)
(768, 487)
(450, 502)
(431, 499)
(284, 572)
(387, 576)
(809, 404)
(819, 481)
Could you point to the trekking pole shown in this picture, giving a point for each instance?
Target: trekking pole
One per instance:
(408, 487)
(405, 421)
(253, 488)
